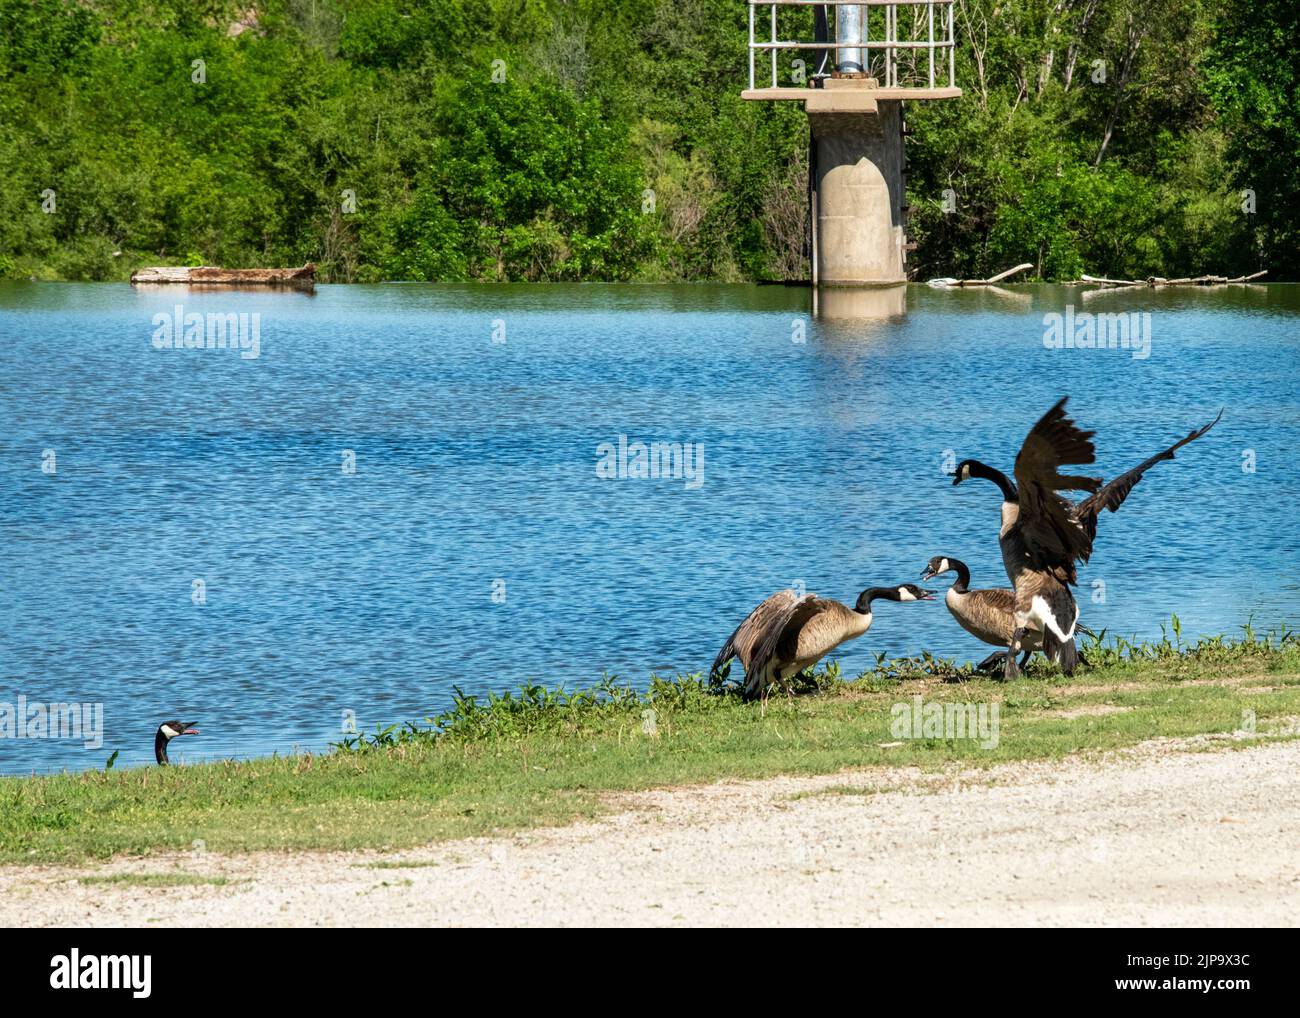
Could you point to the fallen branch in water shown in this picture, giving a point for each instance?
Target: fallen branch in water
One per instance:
(1085, 278)
(998, 278)
(947, 281)
(1157, 281)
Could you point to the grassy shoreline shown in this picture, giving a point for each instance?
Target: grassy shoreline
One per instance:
(544, 757)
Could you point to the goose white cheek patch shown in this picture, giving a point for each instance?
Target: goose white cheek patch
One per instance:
(905, 594)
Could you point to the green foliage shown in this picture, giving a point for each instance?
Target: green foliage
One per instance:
(615, 146)
(1252, 75)
(1087, 140)
(535, 709)
(542, 756)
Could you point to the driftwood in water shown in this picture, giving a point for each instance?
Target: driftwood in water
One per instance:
(1205, 280)
(946, 281)
(1085, 278)
(210, 275)
(998, 278)
(1156, 281)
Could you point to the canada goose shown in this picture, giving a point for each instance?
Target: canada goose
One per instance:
(988, 614)
(1109, 496)
(788, 633)
(167, 731)
(1043, 534)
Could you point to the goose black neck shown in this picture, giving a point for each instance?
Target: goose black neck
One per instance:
(160, 748)
(869, 595)
(962, 583)
(978, 469)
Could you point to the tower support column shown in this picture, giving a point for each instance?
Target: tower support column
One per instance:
(858, 143)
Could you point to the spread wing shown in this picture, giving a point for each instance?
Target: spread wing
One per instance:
(1112, 495)
(1051, 537)
(757, 636)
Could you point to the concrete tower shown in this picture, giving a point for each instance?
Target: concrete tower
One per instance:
(856, 162)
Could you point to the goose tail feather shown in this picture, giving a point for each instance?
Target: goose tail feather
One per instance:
(1063, 652)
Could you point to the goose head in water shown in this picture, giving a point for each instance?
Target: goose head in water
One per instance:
(167, 731)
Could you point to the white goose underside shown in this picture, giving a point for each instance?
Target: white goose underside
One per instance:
(1042, 618)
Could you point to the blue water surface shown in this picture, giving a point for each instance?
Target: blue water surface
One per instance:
(475, 545)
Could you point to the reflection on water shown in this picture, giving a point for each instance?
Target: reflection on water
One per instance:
(471, 541)
(869, 303)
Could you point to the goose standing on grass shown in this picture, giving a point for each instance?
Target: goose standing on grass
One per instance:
(1043, 534)
(988, 614)
(788, 633)
(167, 731)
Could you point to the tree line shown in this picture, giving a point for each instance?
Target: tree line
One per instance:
(606, 140)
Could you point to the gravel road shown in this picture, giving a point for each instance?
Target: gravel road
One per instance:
(1167, 834)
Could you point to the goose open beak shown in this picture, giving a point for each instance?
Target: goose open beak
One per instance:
(190, 731)
(928, 574)
(927, 595)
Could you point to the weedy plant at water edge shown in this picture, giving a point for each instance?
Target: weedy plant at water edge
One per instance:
(534, 708)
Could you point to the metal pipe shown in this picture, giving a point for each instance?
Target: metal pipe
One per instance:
(774, 51)
(751, 47)
(931, 13)
(848, 33)
(865, 44)
(824, 59)
(952, 52)
(889, 53)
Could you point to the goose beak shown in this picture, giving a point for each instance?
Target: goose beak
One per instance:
(190, 731)
(928, 574)
(927, 595)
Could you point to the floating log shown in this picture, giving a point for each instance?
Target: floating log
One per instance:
(1111, 282)
(212, 275)
(998, 278)
(1157, 281)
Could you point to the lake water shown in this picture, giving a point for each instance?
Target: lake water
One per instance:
(474, 543)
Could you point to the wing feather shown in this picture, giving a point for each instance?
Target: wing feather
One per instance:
(1051, 537)
(768, 618)
(1112, 495)
(777, 640)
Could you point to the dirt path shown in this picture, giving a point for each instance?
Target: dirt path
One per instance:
(1158, 836)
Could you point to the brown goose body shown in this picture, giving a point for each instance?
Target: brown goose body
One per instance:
(789, 633)
(988, 613)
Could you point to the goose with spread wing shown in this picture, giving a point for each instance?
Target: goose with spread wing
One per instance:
(1043, 534)
(790, 632)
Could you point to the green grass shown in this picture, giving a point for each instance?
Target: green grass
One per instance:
(414, 864)
(153, 880)
(547, 757)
